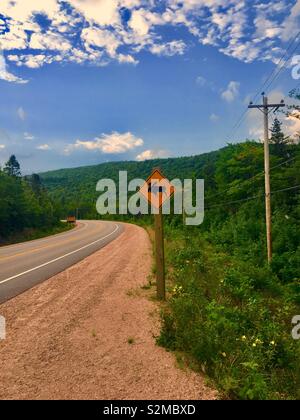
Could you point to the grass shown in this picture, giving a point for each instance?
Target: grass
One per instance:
(230, 319)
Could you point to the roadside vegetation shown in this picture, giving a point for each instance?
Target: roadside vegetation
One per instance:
(229, 313)
(26, 210)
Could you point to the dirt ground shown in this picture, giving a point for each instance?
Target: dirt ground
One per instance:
(88, 333)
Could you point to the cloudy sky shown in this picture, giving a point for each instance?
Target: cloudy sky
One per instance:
(89, 81)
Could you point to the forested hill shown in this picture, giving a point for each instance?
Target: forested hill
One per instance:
(76, 187)
(225, 169)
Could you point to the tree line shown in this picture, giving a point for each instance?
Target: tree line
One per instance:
(24, 202)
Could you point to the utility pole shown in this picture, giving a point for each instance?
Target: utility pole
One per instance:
(266, 108)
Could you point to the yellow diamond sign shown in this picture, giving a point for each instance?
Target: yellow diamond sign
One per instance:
(157, 189)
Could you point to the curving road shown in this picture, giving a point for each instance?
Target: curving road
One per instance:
(24, 265)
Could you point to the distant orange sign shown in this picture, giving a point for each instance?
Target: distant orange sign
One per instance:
(157, 189)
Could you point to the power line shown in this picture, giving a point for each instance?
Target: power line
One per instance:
(286, 189)
(283, 65)
(278, 64)
(236, 185)
(251, 198)
(271, 78)
(251, 179)
(234, 202)
(283, 163)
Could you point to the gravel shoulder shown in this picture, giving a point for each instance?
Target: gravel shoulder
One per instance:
(88, 333)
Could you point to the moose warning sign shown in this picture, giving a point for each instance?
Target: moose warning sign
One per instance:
(157, 189)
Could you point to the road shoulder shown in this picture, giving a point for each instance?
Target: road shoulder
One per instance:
(88, 333)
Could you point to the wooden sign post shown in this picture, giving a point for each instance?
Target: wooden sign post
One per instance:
(160, 255)
(157, 189)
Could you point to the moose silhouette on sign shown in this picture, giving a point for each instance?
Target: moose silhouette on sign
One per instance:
(156, 189)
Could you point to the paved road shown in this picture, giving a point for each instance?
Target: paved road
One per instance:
(24, 265)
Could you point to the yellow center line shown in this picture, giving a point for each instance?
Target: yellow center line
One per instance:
(40, 248)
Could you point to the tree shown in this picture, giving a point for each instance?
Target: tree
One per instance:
(12, 167)
(278, 138)
(36, 184)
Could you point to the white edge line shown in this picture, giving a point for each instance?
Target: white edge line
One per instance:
(60, 258)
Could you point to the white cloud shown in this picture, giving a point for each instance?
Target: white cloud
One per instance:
(152, 154)
(34, 61)
(21, 113)
(49, 41)
(292, 23)
(113, 143)
(102, 12)
(2, 146)
(214, 117)
(28, 136)
(95, 37)
(201, 81)
(93, 31)
(138, 23)
(123, 58)
(7, 76)
(44, 147)
(169, 49)
(232, 91)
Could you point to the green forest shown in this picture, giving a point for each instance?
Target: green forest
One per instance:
(26, 210)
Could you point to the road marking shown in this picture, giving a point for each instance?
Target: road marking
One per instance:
(60, 258)
(39, 241)
(51, 245)
(44, 238)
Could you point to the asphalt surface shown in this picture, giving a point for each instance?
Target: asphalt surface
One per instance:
(24, 265)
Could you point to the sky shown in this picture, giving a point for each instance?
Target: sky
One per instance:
(90, 81)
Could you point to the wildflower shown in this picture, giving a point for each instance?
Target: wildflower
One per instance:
(224, 354)
(244, 338)
(254, 345)
(272, 343)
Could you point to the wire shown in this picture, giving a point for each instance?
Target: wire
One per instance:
(283, 66)
(234, 202)
(236, 185)
(286, 189)
(252, 178)
(271, 78)
(252, 198)
(283, 163)
(278, 64)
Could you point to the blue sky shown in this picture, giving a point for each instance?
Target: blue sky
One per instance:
(90, 81)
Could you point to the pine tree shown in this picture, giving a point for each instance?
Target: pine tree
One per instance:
(36, 184)
(278, 138)
(12, 167)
